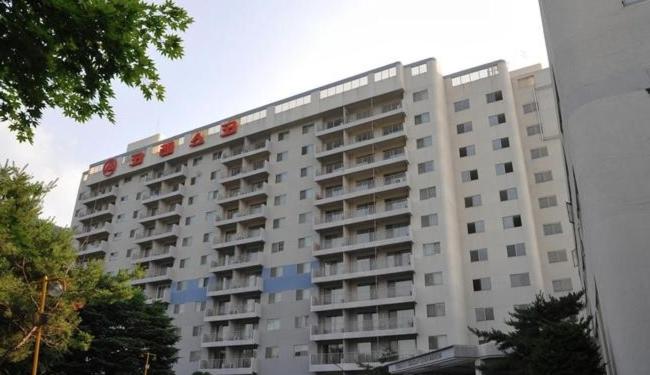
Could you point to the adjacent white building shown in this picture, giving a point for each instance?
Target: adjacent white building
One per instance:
(599, 52)
(386, 211)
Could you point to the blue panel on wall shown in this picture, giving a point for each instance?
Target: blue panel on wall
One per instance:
(191, 293)
(290, 280)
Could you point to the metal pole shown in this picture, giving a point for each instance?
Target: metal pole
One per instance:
(39, 330)
(146, 363)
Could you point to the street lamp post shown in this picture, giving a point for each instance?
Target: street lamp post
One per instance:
(54, 288)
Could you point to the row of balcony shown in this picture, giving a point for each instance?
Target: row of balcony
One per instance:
(248, 192)
(93, 248)
(238, 216)
(365, 213)
(359, 118)
(153, 214)
(90, 213)
(235, 338)
(332, 195)
(90, 230)
(389, 133)
(156, 254)
(90, 196)
(339, 271)
(260, 166)
(228, 286)
(178, 172)
(167, 231)
(233, 311)
(362, 240)
(243, 238)
(242, 152)
(235, 366)
(155, 275)
(166, 193)
(371, 328)
(359, 165)
(227, 263)
(337, 299)
(343, 362)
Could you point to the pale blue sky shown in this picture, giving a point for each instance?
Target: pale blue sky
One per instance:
(241, 54)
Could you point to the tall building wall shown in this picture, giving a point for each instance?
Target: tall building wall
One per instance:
(599, 52)
(384, 212)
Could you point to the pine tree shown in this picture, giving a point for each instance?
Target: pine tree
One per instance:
(549, 336)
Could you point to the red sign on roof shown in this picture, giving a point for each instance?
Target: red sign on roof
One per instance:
(109, 168)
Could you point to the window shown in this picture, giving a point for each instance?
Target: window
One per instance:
(275, 272)
(557, 256)
(306, 129)
(385, 74)
(473, 201)
(291, 104)
(436, 309)
(196, 161)
(216, 155)
(274, 297)
(138, 195)
(497, 119)
(552, 228)
(187, 241)
(280, 200)
(307, 171)
(461, 105)
(135, 214)
(279, 222)
(484, 313)
(476, 75)
(124, 198)
(513, 221)
(544, 176)
(468, 150)
(302, 268)
(549, 201)
(530, 107)
(420, 95)
(437, 342)
(281, 156)
(470, 175)
(304, 217)
(465, 127)
(508, 194)
(562, 285)
(213, 175)
(476, 227)
(431, 248)
(300, 294)
(421, 118)
(178, 308)
(280, 177)
(276, 247)
(433, 278)
(129, 252)
(516, 250)
(425, 167)
(193, 181)
(424, 142)
(304, 242)
(188, 220)
(207, 237)
(429, 220)
(306, 194)
(478, 255)
(182, 263)
(190, 201)
(504, 168)
(343, 87)
(272, 324)
(283, 135)
(495, 96)
(539, 152)
(533, 129)
(195, 355)
(300, 350)
(132, 233)
(482, 284)
(272, 352)
(499, 143)
(417, 70)
(307, 150)
(180, 285)
(196, 331)
(301, 321)
(427, 193)
(203, 283)
(519, 279)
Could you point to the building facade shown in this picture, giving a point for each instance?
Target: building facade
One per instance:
(599, 52)
(382, 213)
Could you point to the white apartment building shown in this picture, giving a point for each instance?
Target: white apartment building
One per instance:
(388, 211)
(599, 52)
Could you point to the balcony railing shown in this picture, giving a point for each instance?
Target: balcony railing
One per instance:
(105, 226)
(232, 309)
(154, 252)
(236, 363)
(336, 358)
(234, 172)
(171, 229)
(161, 174)
(157, 272)
(340, 167)
(363, 238)
(373, 184)
(108, 208)
(230, 261)
(228, 284)
(364, 326)
(97, 193)
(240, 214)
(243, 150)
(156, 212)
(179, 189)
(372, 294)
(360, 138)
(383, 263)
(232, 237)
(236, 335)
(359, 115)
(360, 212)
(95, 246)
(235, 193)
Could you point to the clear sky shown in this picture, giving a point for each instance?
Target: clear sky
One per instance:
(240, 54)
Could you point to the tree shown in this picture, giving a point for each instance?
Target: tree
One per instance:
(549, 336)
(66, 54)
(122, 331)
(30, 248)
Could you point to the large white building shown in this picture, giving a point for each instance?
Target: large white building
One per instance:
(599, 51)
(387, 211)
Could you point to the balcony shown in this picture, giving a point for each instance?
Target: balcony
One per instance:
(165, 194)
(384, 266)
(236, 338)
(151, 215)
(89, 231)
(236, 239)
(227, 287)
(394, 113)
(376, 138)
(380, 328)
(159, 234)
(376, 297)
(155, 275)
(93, 249)
(351, 168)
(178, 173)
(229, 263)
(363, 241)
(163, 253)
(249, 214)
(229, 311)
(374, 187)
(244, 152)
(254, 191)
(97, 212)
(343, 362)
(98, 195)
(361, 215)
(260, 167)
(238, 366)
(164, 296)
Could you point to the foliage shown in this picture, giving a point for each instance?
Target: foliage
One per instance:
(549, 336)
(30, 248)
(66, 54)
(121, 331)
